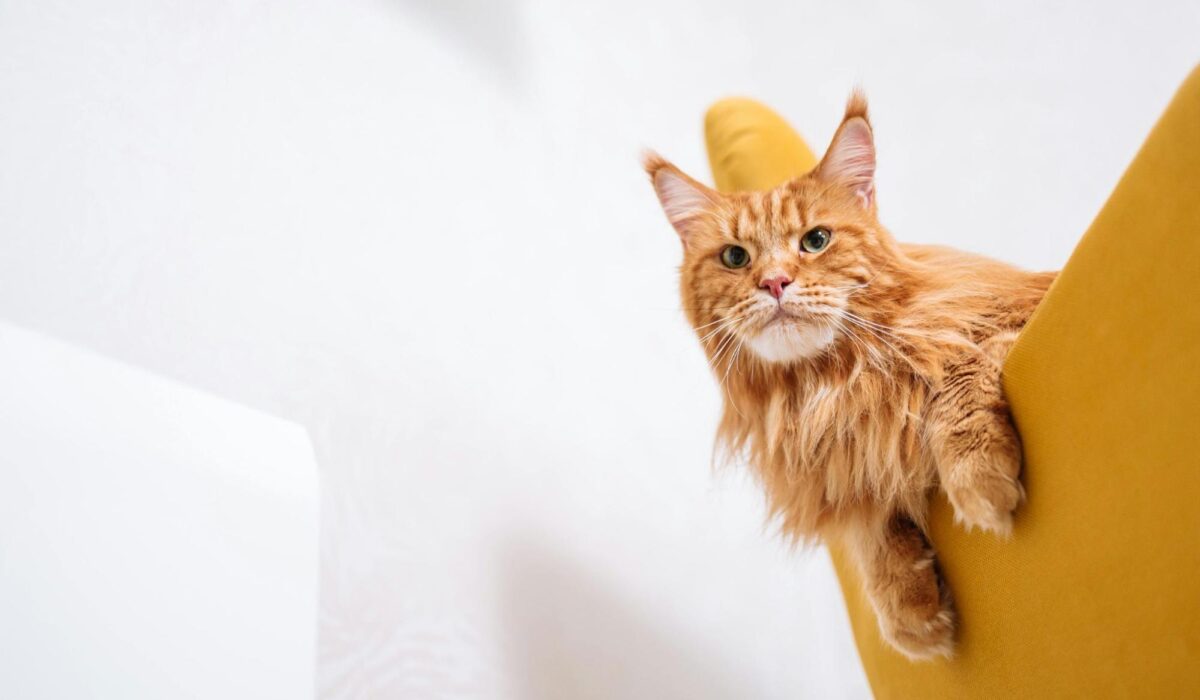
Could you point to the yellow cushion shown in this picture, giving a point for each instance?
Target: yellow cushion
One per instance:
(750, 147)
(1098, 592)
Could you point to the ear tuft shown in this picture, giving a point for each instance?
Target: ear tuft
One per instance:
(683, 199)
(856, 106)
(851, 156)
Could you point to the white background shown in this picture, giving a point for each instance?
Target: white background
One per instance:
(419, 229)
(155, 541)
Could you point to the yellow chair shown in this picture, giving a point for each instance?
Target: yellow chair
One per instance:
(1098, 592)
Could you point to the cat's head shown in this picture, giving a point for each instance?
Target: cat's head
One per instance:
(783, 271)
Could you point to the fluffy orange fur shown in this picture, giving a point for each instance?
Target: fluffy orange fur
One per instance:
(873, 377)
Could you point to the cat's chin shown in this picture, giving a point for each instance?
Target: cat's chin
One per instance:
(786, 341)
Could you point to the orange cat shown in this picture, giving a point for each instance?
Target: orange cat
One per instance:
(858, 373)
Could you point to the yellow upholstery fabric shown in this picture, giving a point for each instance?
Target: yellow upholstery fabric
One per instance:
(1097, 594)
(751, 147)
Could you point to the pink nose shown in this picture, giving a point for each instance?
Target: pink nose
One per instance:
(775, 285)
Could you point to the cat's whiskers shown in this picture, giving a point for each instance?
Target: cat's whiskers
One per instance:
(845, 287)
(719, 320)
(725, 324)
(725, 345)
(852, 288)
(899, 334)
(871, 353)
(728, 332)
(710, 323)
(866, 349)
(732, 361)
(874, 324)
(712, 308)
(873, 330)
(879, 335)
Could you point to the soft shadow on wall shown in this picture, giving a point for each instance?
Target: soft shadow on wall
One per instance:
(568, 635)
(490, 32)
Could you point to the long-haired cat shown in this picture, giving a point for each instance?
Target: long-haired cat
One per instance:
(858, 373)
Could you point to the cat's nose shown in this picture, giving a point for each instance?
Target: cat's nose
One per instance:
(775, 285)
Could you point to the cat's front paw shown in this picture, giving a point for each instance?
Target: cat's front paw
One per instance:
(984, 488)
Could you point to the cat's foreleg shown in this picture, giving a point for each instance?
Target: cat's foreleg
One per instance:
(902, 582)
(976, 447)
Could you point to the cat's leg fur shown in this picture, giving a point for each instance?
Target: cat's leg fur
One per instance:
(976, 447)
(901, 580)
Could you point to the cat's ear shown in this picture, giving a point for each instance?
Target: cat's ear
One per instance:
(851, 156)
(684, 201)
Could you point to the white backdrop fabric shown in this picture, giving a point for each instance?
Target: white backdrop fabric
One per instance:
(155, 541)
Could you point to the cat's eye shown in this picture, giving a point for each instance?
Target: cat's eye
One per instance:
(735, 256)
(816, 240)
